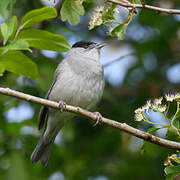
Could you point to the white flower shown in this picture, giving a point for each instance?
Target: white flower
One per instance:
(99, 9)
(138, 117)
(139, 110)
(162, 108)
(145, 108)
(158, 101)
(148, 103)
(169, 97)
(96, 18)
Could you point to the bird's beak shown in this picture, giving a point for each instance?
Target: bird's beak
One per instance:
(101, 45)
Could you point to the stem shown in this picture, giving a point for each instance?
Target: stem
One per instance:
(113, 22)
(174, 117)
(17, 32)
(164, 115)
(19, 29)
(129, 18)
(145, 6)
(168, 107)
(149, 122)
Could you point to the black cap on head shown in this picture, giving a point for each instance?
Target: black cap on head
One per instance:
(83, 44)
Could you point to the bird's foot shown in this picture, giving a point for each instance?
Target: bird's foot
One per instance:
(62, 106)
(98, 118)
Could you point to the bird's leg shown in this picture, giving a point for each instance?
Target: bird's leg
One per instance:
(98, 118)
(62, 105)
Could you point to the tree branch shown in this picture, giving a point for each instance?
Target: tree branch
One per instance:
(80, 111)
(118, 59)
(158, 9)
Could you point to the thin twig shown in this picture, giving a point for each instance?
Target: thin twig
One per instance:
(157, 9)
(118, 59)
(80, 111)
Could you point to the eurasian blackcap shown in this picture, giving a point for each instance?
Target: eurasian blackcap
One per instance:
(78, 81)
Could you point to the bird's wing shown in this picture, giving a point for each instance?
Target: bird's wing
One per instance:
(43, 115)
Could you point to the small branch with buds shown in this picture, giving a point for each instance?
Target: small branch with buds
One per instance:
(153, 8)
(77, 110)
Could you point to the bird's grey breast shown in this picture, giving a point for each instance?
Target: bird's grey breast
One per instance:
(79, 83)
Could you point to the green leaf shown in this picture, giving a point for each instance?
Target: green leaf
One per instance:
(15, 23)
(172, 169)
(35, 16)
(175, 158)
(109, 14)
(78, 7)
(5, 8)
(176, 117)
(8, 29)
(172, 134)
(2, 71)
(4, 32)
(172, 172)
(17, 62)
(41, 39)
(1, 36)
(171, 176)
(119, 31)
(71, 10)
(20, 44)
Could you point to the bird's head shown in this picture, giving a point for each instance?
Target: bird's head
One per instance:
(87, 49)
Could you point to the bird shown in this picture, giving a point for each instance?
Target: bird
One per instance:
(78, 81)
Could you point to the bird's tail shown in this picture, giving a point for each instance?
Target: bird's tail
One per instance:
(42, 149)
(41, 152)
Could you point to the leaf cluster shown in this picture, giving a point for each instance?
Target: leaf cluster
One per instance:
(22, 38)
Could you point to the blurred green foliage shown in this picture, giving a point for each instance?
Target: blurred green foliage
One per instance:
(84, 151)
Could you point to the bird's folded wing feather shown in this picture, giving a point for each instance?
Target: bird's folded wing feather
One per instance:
(43, 115)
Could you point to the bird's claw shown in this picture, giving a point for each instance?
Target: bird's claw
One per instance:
(62, 106)
(98, 118)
